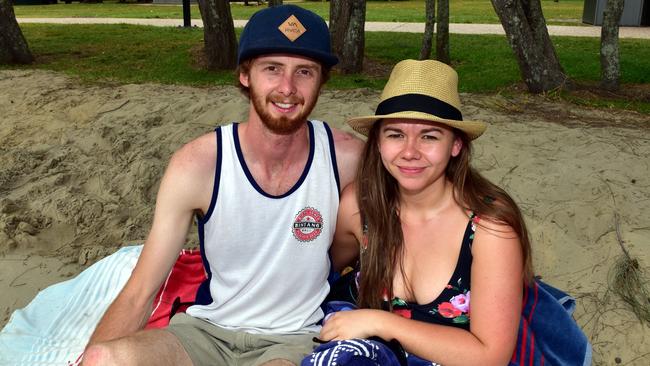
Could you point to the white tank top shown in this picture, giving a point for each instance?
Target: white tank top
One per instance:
(266, 256)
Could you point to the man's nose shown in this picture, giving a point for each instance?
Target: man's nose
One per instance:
(287, 85)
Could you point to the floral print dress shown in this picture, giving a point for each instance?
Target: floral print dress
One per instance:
(452, 307)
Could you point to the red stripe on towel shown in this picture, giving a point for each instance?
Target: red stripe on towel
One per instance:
(522, 344)
(524, 338)
(532, 349)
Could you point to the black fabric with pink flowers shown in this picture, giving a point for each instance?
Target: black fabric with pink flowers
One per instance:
(452, 306)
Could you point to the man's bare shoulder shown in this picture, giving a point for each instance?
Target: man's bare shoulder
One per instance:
(347, 145)
(197, 156)
(347, 141)
(348, 152)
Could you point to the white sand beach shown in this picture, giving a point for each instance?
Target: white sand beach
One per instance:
(81, 164)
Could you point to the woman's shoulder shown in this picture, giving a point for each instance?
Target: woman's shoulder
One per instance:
(493, 238)
(492, 226)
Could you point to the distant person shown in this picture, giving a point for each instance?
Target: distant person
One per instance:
(265, 194)
(442, 248)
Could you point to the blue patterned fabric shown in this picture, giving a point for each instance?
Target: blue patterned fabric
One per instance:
(548, 335)
(352, 352)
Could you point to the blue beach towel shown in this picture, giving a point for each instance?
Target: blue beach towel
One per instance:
(548, 335)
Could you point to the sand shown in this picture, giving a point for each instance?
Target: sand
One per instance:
(80, 166)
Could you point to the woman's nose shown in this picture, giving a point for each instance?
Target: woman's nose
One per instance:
(410, 150)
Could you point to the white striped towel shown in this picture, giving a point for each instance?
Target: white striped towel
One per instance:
(55, 327)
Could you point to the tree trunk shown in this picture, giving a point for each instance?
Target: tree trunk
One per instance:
(339, 20)
(220, 43)
(355, 37)
(427, 37)
(274, 3)
(13, 46)
(347, 21)
(610, 67)
(527, 34)
(442, 32)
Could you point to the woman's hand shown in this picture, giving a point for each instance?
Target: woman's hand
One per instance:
(352, 324)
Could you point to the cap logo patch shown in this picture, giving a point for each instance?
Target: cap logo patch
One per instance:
(292, 28)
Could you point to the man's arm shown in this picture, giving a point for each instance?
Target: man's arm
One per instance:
(348, 152)
(345, 247)
(181, 192)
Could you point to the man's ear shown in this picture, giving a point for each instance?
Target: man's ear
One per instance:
(456, 147)
(244, 79)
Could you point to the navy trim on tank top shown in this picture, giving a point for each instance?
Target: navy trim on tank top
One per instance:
(335, 167)
(250, 177)
(203, 296)
(217, 178)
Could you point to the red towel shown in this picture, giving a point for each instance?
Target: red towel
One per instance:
(179, 290)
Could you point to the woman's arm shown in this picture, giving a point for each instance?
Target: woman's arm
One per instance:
(496, 296)
(345, 247)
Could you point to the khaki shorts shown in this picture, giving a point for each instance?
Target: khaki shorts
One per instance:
(208, 344)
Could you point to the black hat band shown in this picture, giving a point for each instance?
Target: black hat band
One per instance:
(419, 103)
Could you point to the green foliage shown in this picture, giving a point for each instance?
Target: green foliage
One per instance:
(147, 54)
(485, 63)
(461, 11)
(122, 53)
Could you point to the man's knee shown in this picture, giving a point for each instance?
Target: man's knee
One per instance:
(279, 362)
(148, 347)
(97, 355)
(116, 352)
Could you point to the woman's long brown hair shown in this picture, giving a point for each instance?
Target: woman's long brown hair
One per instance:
(378, 195)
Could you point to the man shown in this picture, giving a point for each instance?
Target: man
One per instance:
(265, 194)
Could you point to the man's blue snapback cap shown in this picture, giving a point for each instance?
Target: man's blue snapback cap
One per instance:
(286, 29)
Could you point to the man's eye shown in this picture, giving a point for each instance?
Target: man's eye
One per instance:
(305, 72)
(429, 137)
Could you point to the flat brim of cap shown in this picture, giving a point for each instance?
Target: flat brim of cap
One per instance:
(473, 129)
(326, 59)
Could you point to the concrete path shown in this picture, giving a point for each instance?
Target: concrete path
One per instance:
(557, 30)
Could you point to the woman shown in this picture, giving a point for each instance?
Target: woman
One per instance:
(437, 239)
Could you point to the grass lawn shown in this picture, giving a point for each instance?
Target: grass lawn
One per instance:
(567, 12)
(134, 54)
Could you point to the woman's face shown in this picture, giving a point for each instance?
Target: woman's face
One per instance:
(416, 152)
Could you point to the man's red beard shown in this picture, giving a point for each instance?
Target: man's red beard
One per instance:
(282, 125)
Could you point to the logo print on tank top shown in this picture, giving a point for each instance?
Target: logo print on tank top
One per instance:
(308, 224)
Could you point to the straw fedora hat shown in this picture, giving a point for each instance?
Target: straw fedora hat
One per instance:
(425, 90)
